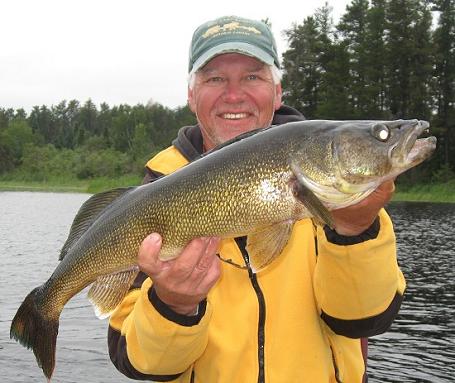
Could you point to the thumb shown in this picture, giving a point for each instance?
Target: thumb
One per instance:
(149, 250)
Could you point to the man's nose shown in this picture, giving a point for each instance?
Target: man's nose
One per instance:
(233, 92)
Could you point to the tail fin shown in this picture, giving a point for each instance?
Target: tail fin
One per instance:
(33, 330)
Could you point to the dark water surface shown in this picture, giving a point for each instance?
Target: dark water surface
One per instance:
(420, 346)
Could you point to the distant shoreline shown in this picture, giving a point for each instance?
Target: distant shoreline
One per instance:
(418, 193)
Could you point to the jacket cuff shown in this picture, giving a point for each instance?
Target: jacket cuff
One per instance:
(367, 327)
(338, 239)
(171, 315)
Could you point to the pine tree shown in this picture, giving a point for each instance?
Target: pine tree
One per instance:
(444, 39)
(421, 66)
(401, 16)
(354, 30)
(375, 62)
(302, 67)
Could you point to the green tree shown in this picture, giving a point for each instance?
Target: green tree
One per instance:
(354, 29)
(422, 61)
(401, 16)
(375, 61)
(335, 98)
(87, 122)
(141, 145)
(444, 41)
(42, 123)
(122, 130)
(13, 140)
(6, 115)
(302, 67)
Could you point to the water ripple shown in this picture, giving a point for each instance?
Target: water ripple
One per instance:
(420, 346)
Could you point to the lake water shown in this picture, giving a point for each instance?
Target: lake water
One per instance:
(420, 346)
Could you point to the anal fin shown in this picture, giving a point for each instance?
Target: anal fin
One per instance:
(109, 290)
(265, 245)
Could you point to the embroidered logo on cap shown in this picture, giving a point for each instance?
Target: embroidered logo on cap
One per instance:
(232, 27)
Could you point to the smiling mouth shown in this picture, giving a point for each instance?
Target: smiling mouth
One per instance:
(234, 116)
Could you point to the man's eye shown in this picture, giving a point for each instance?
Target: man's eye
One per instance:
(252, 77)
(215, 79)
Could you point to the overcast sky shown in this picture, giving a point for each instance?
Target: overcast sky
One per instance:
(116, 51)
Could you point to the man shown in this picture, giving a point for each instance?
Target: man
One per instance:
(300, 319)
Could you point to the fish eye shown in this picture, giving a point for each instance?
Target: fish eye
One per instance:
(381, 132)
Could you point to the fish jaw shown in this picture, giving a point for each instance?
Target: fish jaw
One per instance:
(411, 150)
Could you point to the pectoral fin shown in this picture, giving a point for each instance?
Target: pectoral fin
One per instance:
(303, 193)
(109, 290)
(265, 245)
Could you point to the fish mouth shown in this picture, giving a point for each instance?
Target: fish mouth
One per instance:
(410, 150)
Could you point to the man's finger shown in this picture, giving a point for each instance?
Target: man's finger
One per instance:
(206, 260)
(186, 262)
(149, 251)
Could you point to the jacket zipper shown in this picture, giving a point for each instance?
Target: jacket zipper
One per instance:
(241, 242)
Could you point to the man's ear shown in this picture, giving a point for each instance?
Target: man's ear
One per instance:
(191, 100)
(278, 96)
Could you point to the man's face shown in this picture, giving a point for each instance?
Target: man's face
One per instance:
(233, 94)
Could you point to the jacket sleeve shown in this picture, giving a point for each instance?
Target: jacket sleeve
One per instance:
(148, 341)
(358, 284)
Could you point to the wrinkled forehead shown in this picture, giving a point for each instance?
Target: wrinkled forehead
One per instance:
(233, 61)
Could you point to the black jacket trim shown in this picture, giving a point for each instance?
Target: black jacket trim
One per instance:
(337, 239)
(137, 283)
(119, 357)
(365, 328)
(241, 243)
(171, 315)
(151, 175)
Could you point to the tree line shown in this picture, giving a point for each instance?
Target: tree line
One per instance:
(384, 59)
(73, 140)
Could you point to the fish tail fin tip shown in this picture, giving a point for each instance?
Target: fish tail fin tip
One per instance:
(32, 330)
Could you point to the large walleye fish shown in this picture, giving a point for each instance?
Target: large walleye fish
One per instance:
(257, 185)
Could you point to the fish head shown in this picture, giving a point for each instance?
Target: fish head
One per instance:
(341, 162)
(367, 153)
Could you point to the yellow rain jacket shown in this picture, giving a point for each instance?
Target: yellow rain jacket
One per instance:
(299, 320)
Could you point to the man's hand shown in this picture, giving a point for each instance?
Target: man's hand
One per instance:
(181, 283)
(355, 219)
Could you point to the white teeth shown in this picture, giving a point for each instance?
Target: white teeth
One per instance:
(234, 116)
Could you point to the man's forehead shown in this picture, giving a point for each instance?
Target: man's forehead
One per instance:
(227, 59)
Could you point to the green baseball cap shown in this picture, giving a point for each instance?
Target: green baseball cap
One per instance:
(232, 34)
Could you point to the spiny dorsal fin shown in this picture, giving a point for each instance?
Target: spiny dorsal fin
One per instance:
(265, 245)
(109, 290)
(88, 213)
(303, 193)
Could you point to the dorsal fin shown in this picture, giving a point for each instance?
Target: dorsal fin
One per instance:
(88, 213)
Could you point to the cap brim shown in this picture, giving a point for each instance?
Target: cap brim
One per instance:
(232, 47)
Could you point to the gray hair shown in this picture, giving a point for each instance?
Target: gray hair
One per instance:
(276, 76)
